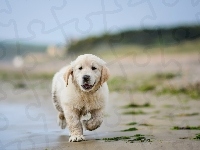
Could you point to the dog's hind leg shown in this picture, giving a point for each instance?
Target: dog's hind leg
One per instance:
(61, 118)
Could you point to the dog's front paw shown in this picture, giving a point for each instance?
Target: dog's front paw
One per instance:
(76, 138)
(91, 124)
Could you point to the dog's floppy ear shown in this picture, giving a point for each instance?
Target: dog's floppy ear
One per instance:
(69, 71)
(104, 75)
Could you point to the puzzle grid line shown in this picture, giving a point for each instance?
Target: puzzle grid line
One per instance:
(60, 27)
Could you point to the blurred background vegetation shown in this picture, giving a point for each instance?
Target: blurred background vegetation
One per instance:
(145, 37)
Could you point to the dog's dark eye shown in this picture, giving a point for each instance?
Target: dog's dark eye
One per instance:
(94, 68)
(80, 68)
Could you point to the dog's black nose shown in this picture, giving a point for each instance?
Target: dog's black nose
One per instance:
(86, 77)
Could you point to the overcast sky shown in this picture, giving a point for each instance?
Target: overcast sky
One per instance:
(48, 21)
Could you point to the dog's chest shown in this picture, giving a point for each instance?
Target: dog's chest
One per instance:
(89, 102)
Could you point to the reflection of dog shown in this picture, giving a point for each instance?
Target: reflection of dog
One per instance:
(78, 89)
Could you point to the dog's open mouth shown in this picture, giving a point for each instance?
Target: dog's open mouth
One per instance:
(87, 86)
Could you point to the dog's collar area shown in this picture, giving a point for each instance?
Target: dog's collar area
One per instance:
(97, 89)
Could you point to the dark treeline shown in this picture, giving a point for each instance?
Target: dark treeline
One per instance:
(145, 37)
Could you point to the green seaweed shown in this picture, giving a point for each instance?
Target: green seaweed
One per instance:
(130, 129)
(139, 112)
(116, 138)
(130, 139)
(197, 137)
(131, 123)
(133, 105)
(138, 135)
(145, 124)
(186, 128)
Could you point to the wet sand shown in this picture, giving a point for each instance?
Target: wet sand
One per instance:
(28, 119)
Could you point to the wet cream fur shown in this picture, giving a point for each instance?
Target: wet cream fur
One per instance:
(72, 101)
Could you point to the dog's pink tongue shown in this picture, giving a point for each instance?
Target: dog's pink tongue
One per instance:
(87, 86)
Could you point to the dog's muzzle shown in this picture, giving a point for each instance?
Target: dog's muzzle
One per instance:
(86, 82)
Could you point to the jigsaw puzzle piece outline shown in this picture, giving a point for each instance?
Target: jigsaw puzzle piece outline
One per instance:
(7, 11)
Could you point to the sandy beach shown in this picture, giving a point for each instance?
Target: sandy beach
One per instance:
(158, 117)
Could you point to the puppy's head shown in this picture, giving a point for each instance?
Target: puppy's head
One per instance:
(88, 71)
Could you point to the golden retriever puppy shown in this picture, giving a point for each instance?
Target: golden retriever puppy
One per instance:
(78, 89)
